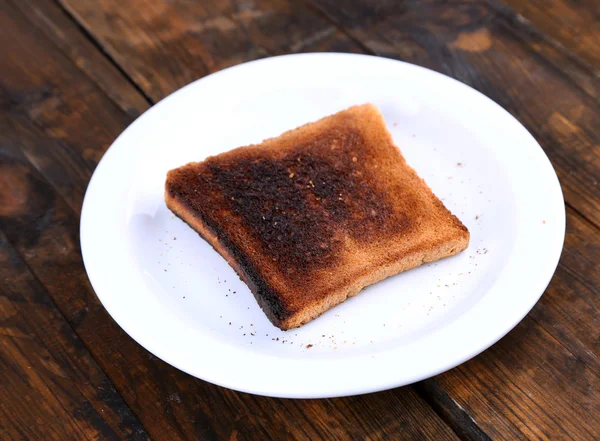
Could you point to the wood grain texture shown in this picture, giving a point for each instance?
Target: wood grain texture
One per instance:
(45, 96)
(46, 374)
(485, 49)
(49, 18)
(41, 82)
(166, 45)
(42, 222)
(573, 23)
(65, 170)
(581, 74)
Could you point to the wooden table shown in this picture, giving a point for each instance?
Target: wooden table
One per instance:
(75, 73)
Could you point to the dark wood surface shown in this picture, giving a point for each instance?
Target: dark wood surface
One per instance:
(75, 73)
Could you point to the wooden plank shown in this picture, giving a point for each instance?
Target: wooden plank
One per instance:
(574, 24)
(581, 74)
(38, 80)
(50, 386)
(166, 45)
(49, 18)
(44, 229)
(65, 170)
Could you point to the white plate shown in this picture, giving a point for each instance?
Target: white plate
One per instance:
(177, 297)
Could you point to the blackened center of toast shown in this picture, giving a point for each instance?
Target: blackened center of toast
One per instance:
(304, 206)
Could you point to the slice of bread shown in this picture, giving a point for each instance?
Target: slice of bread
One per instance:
(311, 217)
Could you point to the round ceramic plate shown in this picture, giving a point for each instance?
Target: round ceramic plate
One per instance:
(179, 299)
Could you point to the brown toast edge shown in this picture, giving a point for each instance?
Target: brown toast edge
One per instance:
(270, 302)
(409, 261)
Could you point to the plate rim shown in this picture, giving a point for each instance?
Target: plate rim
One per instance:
(551, 263)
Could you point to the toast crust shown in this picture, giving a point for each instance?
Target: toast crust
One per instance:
(311, 217)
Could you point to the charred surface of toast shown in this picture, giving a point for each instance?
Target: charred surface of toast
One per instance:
(300, 207)
(309, 218)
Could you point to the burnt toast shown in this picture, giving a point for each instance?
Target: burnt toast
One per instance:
(309, 218)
